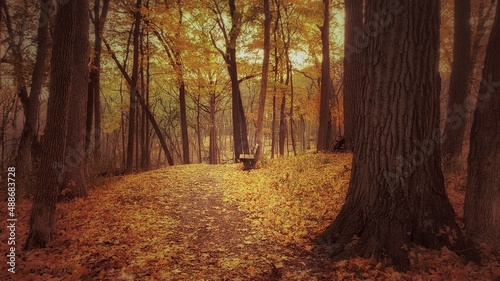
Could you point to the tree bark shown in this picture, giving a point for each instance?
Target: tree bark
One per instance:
(353, 70)
(73, 183)
(454, 127)
(325, 126)
(396, 196)
(42, 218)
(482, 210)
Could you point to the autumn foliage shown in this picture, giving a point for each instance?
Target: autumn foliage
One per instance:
(217, 222)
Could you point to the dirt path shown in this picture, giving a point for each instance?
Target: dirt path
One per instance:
(221, 243)
(217, 238)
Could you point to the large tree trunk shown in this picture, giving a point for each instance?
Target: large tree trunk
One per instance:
(353, 73)
(24, 152)
(73, 184)
(42, 219)
(325, 125)
(133, 90)
(482, 208)
(396, 196)
(263, 85)
(454, 127)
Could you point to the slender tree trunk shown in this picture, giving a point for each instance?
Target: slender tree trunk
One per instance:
(137, 137)
(481, 30)
(303, 131)
(353, 74)
(273, 127)
(24, 152)
(285, 35)
(213, 148)
(143, 144)
(482, 197)
(198, 128)
(148, 134)
(332, 125)
(42, 219)
(184, 125)
(263, 85)
(17, 60)
(73, 179)
(123, 130)
(276, 71)
(182, 91)
(325, 126)
(90, 115)
(292, 122)
(96, 84)
(454, 126)
(240, 138)
(396, 195)
(133, 90)
(149, 115)
(95, 76)
(282, 132)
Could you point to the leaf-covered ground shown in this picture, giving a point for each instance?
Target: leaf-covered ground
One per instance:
(203, 222)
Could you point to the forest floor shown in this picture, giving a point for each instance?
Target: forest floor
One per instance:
(217, 222)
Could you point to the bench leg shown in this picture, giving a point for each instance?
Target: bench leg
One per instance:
(248, 164)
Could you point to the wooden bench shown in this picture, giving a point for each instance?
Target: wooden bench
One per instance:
(248, 161)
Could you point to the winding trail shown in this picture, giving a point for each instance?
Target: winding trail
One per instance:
(183, 223)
